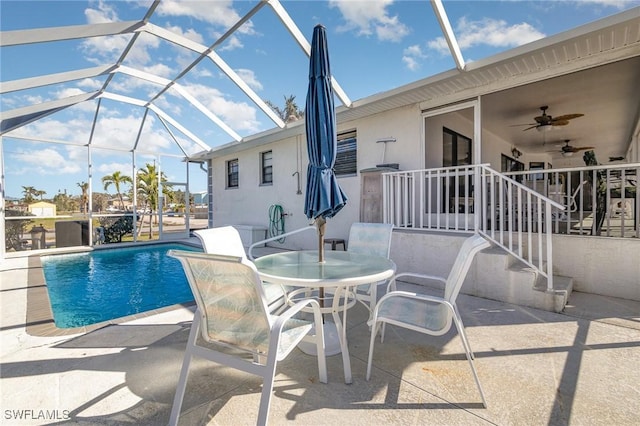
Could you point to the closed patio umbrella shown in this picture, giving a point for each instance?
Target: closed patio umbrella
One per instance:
(324, 198)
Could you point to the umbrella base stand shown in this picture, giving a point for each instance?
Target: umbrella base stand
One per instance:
(331, 341)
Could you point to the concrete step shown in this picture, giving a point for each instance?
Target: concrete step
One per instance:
(502, 276)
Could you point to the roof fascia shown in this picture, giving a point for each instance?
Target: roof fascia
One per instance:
(43, 35)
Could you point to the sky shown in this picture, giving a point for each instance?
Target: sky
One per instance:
(374, 46)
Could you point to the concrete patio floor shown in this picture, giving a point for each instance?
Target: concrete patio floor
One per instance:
(581, 367)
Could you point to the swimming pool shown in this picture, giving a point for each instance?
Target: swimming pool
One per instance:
(101, 285)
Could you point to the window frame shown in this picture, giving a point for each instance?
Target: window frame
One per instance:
(347, 154)
(266, 169)
(232, 175)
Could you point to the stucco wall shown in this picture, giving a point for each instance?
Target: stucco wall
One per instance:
(601, 265)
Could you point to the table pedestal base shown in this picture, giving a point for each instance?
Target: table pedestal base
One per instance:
(331, 341)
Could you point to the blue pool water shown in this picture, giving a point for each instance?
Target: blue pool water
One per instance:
(87, 288)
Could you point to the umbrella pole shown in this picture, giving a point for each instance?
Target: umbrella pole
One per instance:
(321, 225)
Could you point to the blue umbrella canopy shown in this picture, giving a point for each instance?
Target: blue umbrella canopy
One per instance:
(324, 197)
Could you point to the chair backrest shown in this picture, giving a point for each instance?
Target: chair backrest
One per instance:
(458, 273)
(578, 189)
(370, 238)
(224, 240)
(230, 298)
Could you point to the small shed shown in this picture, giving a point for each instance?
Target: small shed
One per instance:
(42, 208)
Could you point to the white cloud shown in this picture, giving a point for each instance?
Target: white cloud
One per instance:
(231, 43)
(218, 12)
(411, 56)
(90, 84)
(250, 78)
(237, 115)
(618, 4)
(370, 18)
(191, 34)
(47, 161)
(107, 49)
(109, 168)
(488, 31)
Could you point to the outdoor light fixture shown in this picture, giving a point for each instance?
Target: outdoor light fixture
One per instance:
(384, 141)
(515, 152)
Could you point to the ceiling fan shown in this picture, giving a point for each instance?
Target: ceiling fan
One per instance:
(546, 122)
(567, 150)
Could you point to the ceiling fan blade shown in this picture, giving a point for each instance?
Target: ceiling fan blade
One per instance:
(529, 128)
(582, 148)
(525, 124)
(567, 117)
(559, 123)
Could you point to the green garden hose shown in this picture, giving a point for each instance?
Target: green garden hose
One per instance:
(276, 222)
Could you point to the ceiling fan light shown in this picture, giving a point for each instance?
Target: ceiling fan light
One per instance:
(543, 128)
(567, 154)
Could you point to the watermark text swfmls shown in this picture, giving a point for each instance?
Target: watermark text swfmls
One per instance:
(29, 414)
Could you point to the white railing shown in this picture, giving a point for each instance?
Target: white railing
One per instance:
(475, 199)
(599, 200)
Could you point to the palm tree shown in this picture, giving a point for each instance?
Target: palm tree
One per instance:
(39, 193)
(147, 179)
(117, 178)
(29, 192)
(84, 198)
(291, 112)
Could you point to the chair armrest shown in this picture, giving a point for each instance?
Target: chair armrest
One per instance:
(289, 313)
(392, 282)
(277, 237)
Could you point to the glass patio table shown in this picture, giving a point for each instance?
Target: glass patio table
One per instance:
(340, 272)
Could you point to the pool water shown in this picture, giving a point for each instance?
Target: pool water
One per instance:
(87, 288)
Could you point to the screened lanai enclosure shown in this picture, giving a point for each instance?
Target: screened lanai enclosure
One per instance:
(124, 125)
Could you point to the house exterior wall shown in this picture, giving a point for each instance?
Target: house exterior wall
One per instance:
(249, 203)
(607, 266)
(601, 265)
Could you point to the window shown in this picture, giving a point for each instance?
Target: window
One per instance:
(509, 164)
(347, 155)
(266, 168)
(232, 173)
(456, 149)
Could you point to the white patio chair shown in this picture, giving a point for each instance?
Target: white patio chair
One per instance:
(425, 313)
(225, 240)
(370, 238)
(232, 312)
(571, 201)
